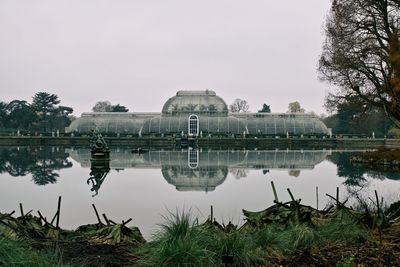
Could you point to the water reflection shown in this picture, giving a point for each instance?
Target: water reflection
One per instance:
(356, 174)
(41, 162)
(186, 170)
(204, 170)
(98, 173)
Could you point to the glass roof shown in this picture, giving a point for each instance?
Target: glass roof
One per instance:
(195, 101)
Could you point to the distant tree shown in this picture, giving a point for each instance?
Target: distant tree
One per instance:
(61, 117)
(266, 108)
(102, 106)
(106, 106)
(51, 116)
(20, 115)
(294, 107)
(3, 114)
(355, 118)
(119, 108)
(361, 53)
(44, 103)
(239, 105)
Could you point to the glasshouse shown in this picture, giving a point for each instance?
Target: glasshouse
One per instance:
(198, 113)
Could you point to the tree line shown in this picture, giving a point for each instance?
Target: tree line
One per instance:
(43, 114)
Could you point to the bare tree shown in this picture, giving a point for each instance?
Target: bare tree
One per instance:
(294, 107)
(239, 105)
(361, 54)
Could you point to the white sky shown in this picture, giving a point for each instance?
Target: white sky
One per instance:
(138, 53)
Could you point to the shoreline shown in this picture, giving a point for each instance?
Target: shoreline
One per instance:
(213, 142)
(279, 235)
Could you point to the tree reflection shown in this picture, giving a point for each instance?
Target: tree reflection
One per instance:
(41, 162)
(356, 174)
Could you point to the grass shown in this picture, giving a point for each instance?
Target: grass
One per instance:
(18, 253)
(180, 242)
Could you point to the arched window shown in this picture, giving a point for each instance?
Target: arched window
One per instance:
(193, 125)
(193, 158)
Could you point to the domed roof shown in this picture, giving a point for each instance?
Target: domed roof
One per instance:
(205, 101)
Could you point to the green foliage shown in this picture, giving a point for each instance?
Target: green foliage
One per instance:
(106, 106)
(182, 243)
(241, 246)
(343, 229)
(346, 262)
(42, 114)
(19, 115)
(266, 108)
(44, 103)
(353, 117)
(19, 254)
(119, 108)
(177, 244)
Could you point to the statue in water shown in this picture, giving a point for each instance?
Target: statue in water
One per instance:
(97, 142)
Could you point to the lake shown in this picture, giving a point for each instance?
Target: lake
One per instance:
(148, 186)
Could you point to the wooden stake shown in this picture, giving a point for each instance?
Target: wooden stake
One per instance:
(54, 217)
(125, 223)
(291, 196)
(58, 212)
(316, 191)
(212, 213)
(21, 209)
(97, 214)
(106, 219)
(337, 196)
(274, 191)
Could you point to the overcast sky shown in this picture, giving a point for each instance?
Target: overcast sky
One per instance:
(138, 53)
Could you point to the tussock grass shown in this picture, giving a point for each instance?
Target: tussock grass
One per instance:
(180, 242)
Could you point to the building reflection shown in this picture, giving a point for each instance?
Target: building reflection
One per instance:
(204, 170)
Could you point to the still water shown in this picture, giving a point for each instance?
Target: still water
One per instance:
(148, 186)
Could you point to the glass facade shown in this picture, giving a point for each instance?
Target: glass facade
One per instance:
(199, 113)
